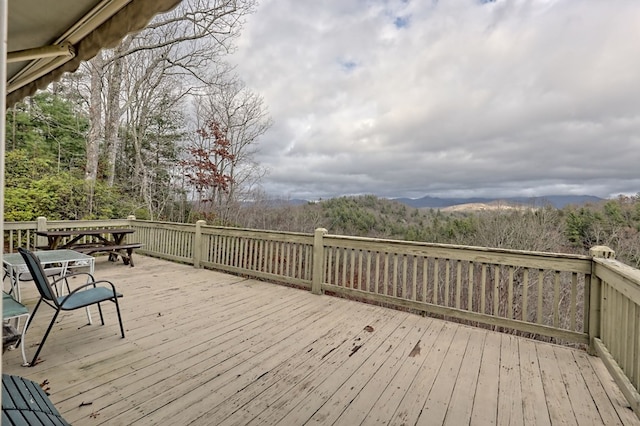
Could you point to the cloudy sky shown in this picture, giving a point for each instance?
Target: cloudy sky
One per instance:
(446, 97)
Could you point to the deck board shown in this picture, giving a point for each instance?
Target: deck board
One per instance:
(205, 348)
(510, 407)
(460, 405)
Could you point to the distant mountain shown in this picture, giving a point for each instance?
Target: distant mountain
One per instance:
(557, 201)
(276, 202)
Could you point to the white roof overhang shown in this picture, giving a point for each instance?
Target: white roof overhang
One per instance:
(48, 38)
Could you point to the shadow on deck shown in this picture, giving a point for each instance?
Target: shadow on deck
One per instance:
(209, 348)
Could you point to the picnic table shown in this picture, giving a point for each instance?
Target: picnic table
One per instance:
(90, 241)
(59, 260)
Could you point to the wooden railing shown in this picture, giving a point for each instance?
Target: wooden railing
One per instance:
(19, 234)
(616, 321)
(171, 241)
(535, 293)
(590, 300)
(275, 256)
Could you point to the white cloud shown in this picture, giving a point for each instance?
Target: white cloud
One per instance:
(408, 98)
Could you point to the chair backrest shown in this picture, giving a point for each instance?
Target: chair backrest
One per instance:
(38, 275)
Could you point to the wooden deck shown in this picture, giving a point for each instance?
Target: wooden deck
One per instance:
(207, 348)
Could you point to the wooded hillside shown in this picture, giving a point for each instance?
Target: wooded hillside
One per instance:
(573, 229)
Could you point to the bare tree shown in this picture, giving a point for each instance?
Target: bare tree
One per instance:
(243, 119)
(148, 75)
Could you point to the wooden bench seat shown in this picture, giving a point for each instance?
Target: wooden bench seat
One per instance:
(123, 250)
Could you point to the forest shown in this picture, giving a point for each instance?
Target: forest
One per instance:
(572, 229)
(161, 128)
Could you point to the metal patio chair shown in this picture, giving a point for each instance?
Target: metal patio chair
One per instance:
(14, 310)
(81, 297)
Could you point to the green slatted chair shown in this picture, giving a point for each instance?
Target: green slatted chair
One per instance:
(24, 402)
(81, 297)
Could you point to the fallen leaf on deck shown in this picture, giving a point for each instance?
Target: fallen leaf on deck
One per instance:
(355, 349)
(416, 350)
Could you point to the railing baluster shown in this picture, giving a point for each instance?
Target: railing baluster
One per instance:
(510, 294)
(404, 276)
(556, 299)
(470, 287)
(628, 342)
(458, 283)
(447, 280)
(360, 278)
(377, 283)
(340, 269)
(352, 269)
(334, 266)
(574, 294)
(425, 278)
(540, 313)
(525, 293)
(394, 289)
(385, 280)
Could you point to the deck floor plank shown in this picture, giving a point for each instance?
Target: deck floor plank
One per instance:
(534, 405)
(620, 404)
(435, 407)
(510, 407)
(203, 347)
(560, 410)
(460, 405)
(485, 405)
(586, 411)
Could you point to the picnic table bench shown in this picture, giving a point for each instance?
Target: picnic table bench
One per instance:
(107, 240)
(125, 251)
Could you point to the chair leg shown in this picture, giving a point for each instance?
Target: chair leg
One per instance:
(33, 314)
(46, 334)
(100, 311)
(21, 341)
(115, 300)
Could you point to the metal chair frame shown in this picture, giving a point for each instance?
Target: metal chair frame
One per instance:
(14, 310)
(81, 297)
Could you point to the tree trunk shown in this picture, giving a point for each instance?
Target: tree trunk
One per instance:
(95, 118)
(94, 136)
(114, 111)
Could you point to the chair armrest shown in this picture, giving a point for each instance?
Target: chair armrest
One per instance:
(91, 284)
(74, 274)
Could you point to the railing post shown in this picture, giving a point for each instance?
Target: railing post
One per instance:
(197, 244)
(318, 260)
(595, 295)
(41, 225)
